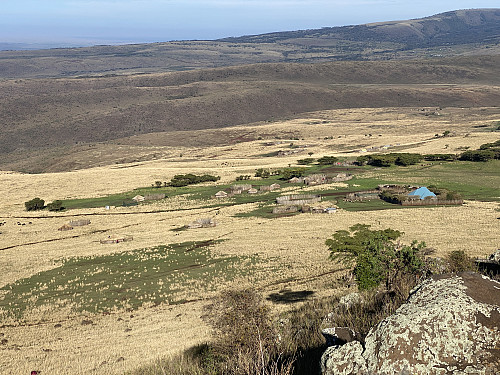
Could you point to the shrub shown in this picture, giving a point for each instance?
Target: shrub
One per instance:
(458, 261)
(190, 179)
(305, 161)
(34, 204)
(327, 160)
(408, 159)
(478, 155)
(289, 173)
(262, 173)
(439, 157)
(246, 338)
(382, 160)
(57, 205)
(377, 256)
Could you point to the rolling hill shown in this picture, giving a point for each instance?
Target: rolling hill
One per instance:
(462, 32)
(40, 116)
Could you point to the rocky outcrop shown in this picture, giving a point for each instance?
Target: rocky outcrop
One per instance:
(449, 325)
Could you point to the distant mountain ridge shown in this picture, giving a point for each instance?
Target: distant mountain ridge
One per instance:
(457, 33)
(450, 28)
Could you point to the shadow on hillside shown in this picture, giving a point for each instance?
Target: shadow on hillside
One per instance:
(287, 296)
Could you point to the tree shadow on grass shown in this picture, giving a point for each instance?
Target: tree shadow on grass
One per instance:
(287, 296)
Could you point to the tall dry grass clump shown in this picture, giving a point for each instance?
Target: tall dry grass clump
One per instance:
(246, 336)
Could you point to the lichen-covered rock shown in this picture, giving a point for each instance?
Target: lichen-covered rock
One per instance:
(344, 360)
(450, 325)
(495, 257)
(350, 300)
(339, 335)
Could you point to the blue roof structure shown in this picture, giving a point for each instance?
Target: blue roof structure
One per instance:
(422, 192)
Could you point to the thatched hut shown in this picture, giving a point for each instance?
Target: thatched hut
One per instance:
(111, 240)
(79, 223)
(154, 197)
(221, 194)
(315, 179)
(241, 187)
(207, 222)
(65, 227)
(298, 199)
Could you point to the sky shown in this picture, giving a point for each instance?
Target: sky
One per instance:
(90, 22)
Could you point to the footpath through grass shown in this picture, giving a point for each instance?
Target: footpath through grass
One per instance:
(161, 274)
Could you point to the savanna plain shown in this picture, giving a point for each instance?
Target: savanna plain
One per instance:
(71, 304)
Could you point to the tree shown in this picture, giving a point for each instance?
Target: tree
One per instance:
(327, 160)
(289, 173)
(305, 161)
(408, 159)
(478, 155)
(377, 256)
(180, 180)
(262, 173)
(57, 205)
(34, 204)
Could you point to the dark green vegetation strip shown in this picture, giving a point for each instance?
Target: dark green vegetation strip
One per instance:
(126, 280)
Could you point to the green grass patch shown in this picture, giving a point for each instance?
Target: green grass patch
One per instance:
(169, 273)
(473, 180)
(370, 205)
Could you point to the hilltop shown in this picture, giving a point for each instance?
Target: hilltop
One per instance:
(461, 32)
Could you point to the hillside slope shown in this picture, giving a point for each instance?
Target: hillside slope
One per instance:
(44, 114)
(464, 32)
(450, 28)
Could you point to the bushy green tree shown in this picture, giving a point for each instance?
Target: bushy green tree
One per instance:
(408, 159)
(376, 255)
(477, 155)
(34, 204)
(289, 173)
(305, 161)
(57, 205)
(262, 173)
(180, 180)
(327, 160)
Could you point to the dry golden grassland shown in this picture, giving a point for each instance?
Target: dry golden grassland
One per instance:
(289, 251)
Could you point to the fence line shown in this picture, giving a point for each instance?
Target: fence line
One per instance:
(431, 202)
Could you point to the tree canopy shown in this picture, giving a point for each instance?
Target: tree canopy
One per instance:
(376, 254)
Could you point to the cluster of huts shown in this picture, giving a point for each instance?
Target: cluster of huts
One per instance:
(246, 188)
(405, 195)
(301, 203)
(320, 179)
